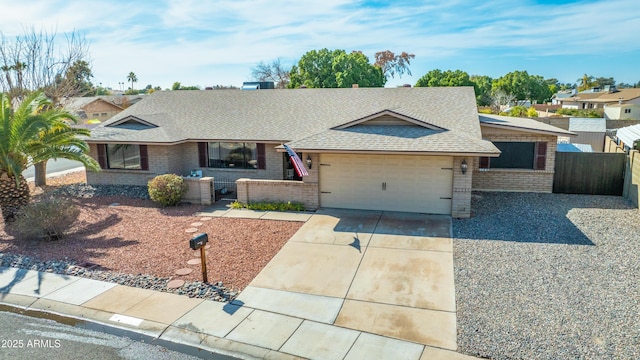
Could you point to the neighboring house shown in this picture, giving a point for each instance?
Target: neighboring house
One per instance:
(597, 98)
(99, 107)
(397, 149)
(560, 95)
(622, 112)
(589, 131)
(628, 137)
(528, 155)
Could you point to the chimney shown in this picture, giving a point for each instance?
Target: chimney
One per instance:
(355, 86)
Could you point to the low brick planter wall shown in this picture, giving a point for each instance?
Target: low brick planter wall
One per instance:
(200, 190)
(253, 190)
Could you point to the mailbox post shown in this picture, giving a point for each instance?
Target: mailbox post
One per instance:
(198, 242)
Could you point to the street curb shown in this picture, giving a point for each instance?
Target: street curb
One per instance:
(59, 173)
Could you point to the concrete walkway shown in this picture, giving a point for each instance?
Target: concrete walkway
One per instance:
(348, 285)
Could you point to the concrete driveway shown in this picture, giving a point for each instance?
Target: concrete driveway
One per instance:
(384, 273)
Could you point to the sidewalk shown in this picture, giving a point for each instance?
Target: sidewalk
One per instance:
(236, 329)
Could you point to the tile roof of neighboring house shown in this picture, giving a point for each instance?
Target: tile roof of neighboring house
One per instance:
(598, 125)
(285, 115)
(522, 124)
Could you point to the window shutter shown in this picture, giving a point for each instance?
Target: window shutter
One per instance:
(202, 154)
(102, 155)
(262, 157)
(484, 162)
(144, 157)
(541, 156)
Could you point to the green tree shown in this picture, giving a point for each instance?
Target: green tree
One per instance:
(335, 69)
(133, 78)
(75, 82)
(483, 89)
(604, 81)
(32, 133)
(523, 86)
(445, 78)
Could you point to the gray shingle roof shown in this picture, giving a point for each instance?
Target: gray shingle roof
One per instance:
(285, 115)
(394, 138)
(516, 123)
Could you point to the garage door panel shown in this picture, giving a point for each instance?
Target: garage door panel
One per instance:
(413, 183)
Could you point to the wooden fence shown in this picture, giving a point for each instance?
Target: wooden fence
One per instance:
(589, 173)
(632, 177)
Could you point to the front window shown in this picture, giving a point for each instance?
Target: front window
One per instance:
(515, 155)
(235, 155)
(120, 156)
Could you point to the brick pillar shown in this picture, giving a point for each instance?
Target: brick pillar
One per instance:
(461, 199)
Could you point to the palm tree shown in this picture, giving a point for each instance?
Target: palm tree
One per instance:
(33, 132)
(133, 78)
(61, 140)
(586, 82)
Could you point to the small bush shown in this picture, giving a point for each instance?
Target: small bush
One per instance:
(270, 206)
(48, 219)
(167, 189)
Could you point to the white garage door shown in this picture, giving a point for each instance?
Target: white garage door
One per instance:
(387, 182)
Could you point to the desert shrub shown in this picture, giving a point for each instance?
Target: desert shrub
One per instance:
(270, 206)
(167, 189)
(48, 219)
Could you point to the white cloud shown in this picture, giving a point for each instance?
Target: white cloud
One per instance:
(190, 38)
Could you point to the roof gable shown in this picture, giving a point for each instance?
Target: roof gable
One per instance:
(133, 123)
(387, 118)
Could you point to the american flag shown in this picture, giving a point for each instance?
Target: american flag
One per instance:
(297, 163)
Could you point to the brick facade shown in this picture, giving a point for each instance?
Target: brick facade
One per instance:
(525, 180)
(181, 159)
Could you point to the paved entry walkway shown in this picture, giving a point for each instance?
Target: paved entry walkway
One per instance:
(383, 273)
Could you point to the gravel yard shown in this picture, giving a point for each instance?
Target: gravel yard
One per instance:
(548, 276)
(137, 243)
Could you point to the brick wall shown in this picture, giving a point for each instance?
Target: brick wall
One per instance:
(516, 179)
(200, 190)
(461, 199)
(252, 190)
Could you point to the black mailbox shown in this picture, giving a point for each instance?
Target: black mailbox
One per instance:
(198, 241)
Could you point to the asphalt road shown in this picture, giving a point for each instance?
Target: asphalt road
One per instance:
(25, 337)
(53, 166)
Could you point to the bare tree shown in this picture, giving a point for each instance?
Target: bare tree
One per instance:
(31, 62)
(392, 64)
(500, 98)
(271, 72)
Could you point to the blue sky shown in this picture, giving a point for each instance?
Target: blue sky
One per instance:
(202, 42)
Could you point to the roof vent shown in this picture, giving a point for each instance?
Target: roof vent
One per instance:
(355, 86)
